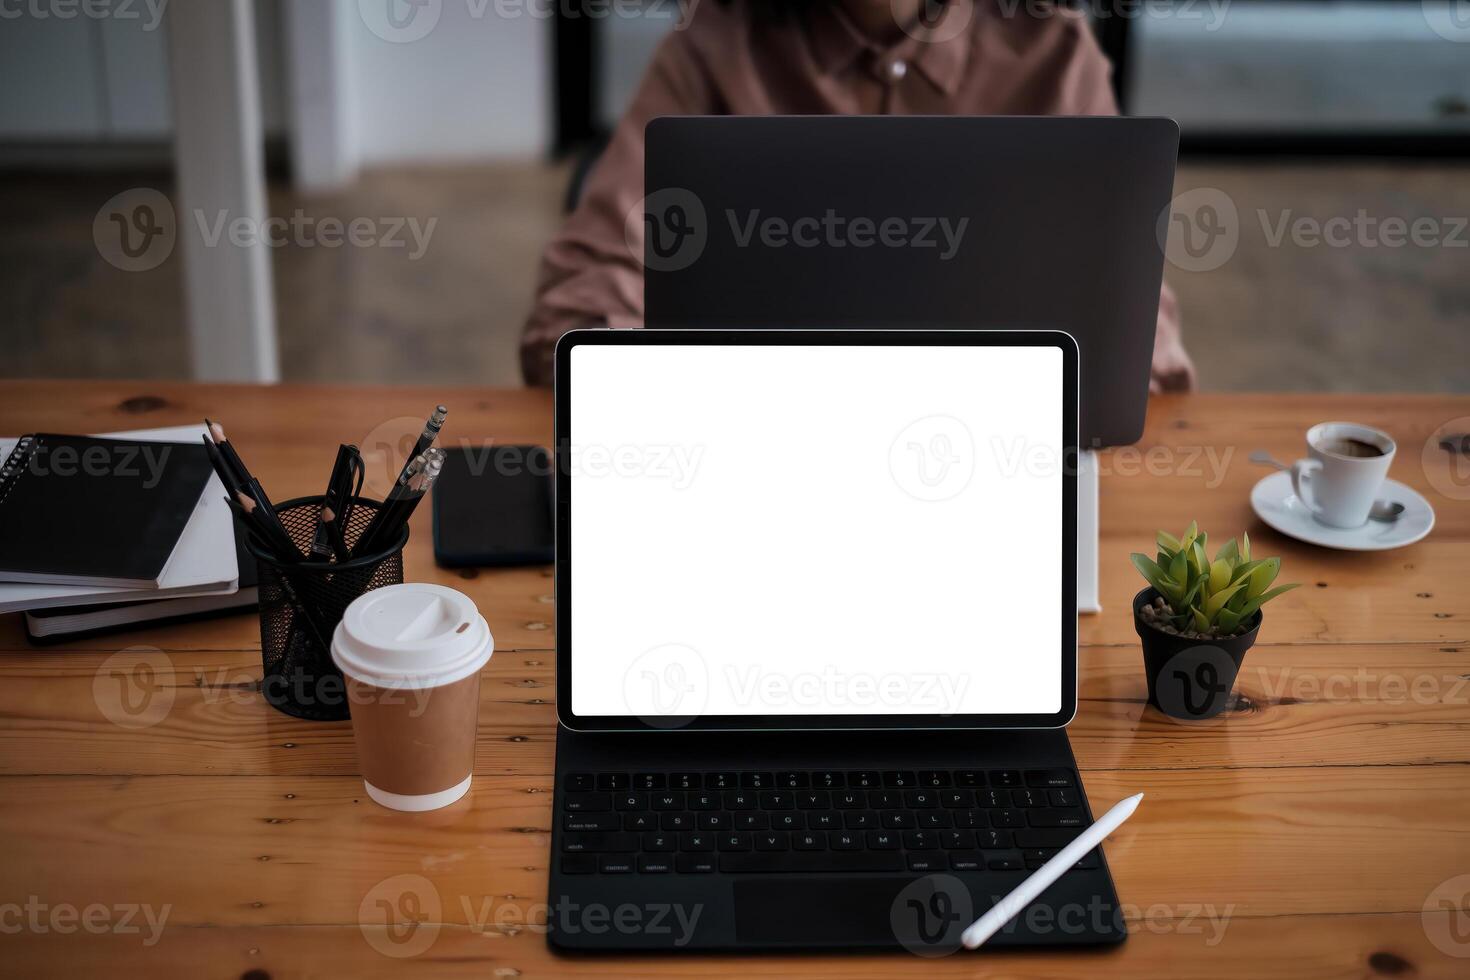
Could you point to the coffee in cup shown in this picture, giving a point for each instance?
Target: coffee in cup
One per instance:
(412, 655)
(1343, 473)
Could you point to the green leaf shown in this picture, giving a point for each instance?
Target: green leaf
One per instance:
(1194, 589)
(1197, 558)
(1155, 575)
(1249, 609)
(1264, 575)
(1245, 546)
(1179, 568)
(1200, 622)
(1229, 552)
(1219, 575)
(1216, 602)
(1167, 542)
(1190, 534)
(1244, 569)
(1227, 621)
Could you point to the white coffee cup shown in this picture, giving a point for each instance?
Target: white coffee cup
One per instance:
(1344, 471)
(412, 655)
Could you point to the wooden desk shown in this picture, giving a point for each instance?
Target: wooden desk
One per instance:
(1319, 815)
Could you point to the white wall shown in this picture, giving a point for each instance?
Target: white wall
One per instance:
(477, 85)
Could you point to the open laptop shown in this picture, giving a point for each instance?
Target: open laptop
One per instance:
(816, 640)
(993, 222)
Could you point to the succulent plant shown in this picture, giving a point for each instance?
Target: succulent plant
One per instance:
(1209, 598)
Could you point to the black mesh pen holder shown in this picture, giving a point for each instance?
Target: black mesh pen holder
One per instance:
(302, 603)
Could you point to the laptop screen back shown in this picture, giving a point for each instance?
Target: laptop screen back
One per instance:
(762, 532)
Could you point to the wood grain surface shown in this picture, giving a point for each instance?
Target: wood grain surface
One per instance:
(157, 818)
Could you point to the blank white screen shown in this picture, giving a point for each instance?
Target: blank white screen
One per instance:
(773, 530)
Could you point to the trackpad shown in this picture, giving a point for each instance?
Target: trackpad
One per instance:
(845, 911)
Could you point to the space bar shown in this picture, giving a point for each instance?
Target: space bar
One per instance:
(811, 861)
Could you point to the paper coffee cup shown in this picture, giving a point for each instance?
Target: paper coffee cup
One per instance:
(412, 656)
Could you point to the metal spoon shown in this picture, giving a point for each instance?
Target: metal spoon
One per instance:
(1386, 511)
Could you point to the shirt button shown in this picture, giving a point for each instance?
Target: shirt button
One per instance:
(898, 70)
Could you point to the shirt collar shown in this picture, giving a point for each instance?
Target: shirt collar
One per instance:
(940, 52)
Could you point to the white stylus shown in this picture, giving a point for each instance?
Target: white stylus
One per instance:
(1026, 892)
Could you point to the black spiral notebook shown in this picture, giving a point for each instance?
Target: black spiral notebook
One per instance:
(79, 510)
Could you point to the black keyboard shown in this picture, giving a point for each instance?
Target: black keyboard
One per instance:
(818, 822)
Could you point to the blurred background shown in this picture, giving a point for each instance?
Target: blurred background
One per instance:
(418, 154)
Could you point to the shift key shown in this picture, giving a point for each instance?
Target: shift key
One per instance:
(601, 843)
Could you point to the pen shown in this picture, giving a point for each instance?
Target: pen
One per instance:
(425, 440)
(1026, 892)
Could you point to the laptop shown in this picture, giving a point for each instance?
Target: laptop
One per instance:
(816, 640)
(998, 222)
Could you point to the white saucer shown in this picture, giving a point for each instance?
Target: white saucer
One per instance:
(1277, 504)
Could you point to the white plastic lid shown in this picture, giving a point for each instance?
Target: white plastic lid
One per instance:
(414, 635)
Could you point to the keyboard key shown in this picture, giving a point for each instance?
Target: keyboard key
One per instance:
(685, 780)
(1049, 777)
(1063, 797)
(920, 799)
(696, 841)
(714, 821)
(967, 861)
(957, 798)
(792, 780)
(640, 821)
(1004, 861)
(885, 799)
(615, 865)
(1005, 777)
(630, 801)
(969, 777)
(677, 821)
(586, 802)
(614, 842)
(934, 861)
(1007, 818)
(811, 862)
(882, 840)
(740, 799)
(1028, 797)
(673, 800)
(933, 779)
(830, 820)
(812, 840)
(992, 798)
(1070, 817)
(694, 864)
(773, 840)
(776, 800)
(787, 821)
(994, 839)
(955, 840)
(896, 820)
(826, 780)
(864, 780)
(1036, 857)
(920, 840)
(752, 820)
(756, 780)
(934, 820)
(853, 800)
(970, 819)
(846, 840)
(1044, 838)
(660, 842)
(816, 799)
(578, 782)
(721, 780)
(703, 801)
(578, 864)
(899, 780)
(612, 780)
(734, 841)
(648, 780)
(589, 821)
(649, 864)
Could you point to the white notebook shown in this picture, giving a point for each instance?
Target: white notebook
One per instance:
(202, 563)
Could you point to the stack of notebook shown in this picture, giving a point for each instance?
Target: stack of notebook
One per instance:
(98, 532)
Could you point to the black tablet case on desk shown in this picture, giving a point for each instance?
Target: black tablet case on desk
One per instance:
(76, 510)
(493, 506)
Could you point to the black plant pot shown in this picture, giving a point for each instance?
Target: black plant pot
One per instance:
(1189, 679)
